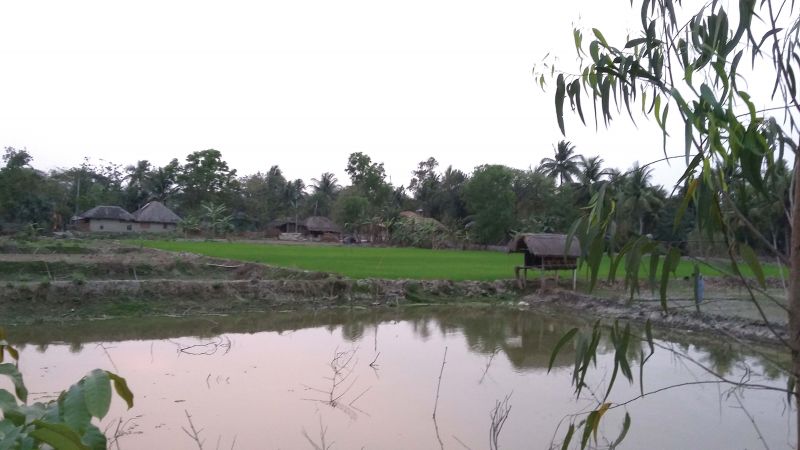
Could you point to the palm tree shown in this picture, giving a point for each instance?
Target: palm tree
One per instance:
(564, 166)
(591, 170)
(324, 193)
(327, 185)
(639, 198)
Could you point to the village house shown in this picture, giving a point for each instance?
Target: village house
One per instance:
(153, 217)
(314, 228)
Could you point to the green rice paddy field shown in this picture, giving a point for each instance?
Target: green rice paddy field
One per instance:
(387, 262)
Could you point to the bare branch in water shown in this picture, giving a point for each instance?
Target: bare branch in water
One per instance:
(195, 433)
(499, 416)
(439, 384)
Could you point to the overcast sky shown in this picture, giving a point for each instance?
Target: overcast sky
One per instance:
(301, 84)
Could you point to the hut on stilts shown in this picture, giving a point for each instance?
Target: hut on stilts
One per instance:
(545, 252)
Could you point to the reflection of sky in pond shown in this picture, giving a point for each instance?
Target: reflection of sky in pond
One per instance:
(262, 390)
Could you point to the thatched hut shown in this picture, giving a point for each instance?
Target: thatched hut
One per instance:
(154, 217)
(314, 227)
(319, 227)
(109, 219)
(545, 252)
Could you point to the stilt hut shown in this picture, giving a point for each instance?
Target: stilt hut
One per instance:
(545, 252)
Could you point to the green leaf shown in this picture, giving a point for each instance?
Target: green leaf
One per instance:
(670, 264)
(594, 259)
(72, 406)
(564, 339)
(97, 391)
(752, 260)
(11, 371)
(94, 438)
(685, 203)
(59, 436)
(654, 257)
(121, 386)
(560, 91)
(568, 437)
(576, 34)
(626, 424)
(600, 37)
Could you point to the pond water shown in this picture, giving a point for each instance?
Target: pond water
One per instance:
(265, 381)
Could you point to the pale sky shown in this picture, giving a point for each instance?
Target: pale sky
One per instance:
(302, 84)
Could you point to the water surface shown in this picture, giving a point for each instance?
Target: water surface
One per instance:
(265, 381)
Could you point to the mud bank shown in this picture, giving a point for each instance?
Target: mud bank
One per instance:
(680, 319)
(23, 302)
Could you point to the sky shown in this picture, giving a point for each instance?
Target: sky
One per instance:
(303, 84)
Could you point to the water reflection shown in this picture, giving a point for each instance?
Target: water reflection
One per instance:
(525, 338)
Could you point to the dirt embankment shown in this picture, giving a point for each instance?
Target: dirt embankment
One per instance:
(106, 280)
(675, 317)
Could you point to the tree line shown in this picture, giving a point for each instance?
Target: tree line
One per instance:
(484, 207)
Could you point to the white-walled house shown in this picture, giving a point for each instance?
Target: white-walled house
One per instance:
(153, 217)
(108, 219)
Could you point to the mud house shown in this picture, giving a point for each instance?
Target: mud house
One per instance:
(153, 217)
(109, 219)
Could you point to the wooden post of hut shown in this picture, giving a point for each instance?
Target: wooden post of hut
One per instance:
(546, 252)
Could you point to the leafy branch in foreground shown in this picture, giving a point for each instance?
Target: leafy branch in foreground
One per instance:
(732, 149)
(64, 423)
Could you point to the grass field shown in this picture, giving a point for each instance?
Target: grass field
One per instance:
(390, 263)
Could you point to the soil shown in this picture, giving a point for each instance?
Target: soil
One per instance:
(104, 279)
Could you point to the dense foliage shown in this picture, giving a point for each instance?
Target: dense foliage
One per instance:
(483, 207)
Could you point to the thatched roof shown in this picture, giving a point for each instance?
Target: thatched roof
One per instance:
(321, 224)
(545, 244)
(156, 212)
(418, 218)
(107, 213)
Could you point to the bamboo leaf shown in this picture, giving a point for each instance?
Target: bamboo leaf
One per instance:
(560, 91)
(600, 37)
(568, 437)
(626, 425)
(670, 264)
(752, 260)
(564, 339)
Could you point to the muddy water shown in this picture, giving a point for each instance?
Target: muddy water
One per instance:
(264, 381)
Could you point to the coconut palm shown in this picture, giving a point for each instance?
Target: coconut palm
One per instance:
(564, 165)
(324, 190)
(591, 170)
(639, 197)
(327, 185)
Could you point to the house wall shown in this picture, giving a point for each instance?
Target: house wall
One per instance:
(148, 227)
(110, 226)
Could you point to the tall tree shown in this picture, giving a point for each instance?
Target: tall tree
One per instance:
(370, 179)
(564, 163)
(425, 185)
(490, 199)
(206, 177)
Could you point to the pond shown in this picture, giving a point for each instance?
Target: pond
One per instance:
(267, 380)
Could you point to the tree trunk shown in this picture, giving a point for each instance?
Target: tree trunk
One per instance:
(794, 289)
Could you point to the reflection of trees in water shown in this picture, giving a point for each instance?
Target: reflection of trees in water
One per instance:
(526, 338)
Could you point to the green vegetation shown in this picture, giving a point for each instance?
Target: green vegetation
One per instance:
(65, 423)
(390, 263)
